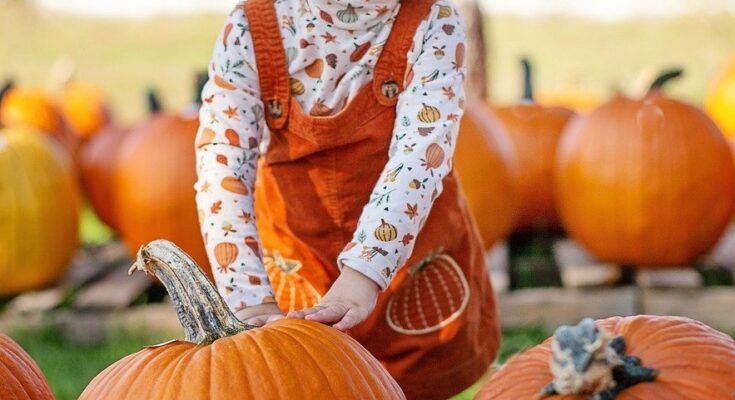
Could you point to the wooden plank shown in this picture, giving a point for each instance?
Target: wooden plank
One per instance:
(115, 291)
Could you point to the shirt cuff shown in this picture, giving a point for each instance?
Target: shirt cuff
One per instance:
(379, 268)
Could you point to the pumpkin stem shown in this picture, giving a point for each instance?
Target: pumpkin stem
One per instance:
(664, 78)
(527, 79)
(592, 363)
(154, 101)
(201, 79)
(201, 310)
(6, 88)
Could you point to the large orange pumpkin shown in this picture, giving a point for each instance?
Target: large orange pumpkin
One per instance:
(20, 377)
(645, 182)
(486, 167)
(534, 131)
(85, 107)
(690, 361)
(39, 211)
(34, 110)
(222, 358)
(153, 190)
(720, 100)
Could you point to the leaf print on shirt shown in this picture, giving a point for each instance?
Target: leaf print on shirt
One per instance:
(412, 211)
(331, 60)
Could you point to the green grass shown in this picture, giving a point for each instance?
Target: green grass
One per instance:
(69, 366)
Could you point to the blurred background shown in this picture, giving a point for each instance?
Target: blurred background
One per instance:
(102, 77)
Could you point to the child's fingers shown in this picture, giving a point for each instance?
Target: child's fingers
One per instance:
(300, 314)
(353, 317)
(274, 317)
(328, 314)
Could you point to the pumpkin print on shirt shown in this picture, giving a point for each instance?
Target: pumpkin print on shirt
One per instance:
(331, 48)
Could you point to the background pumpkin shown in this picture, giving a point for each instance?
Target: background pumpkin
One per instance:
(223, 358)
(20, 377)
(33, 110)
(85, 108)
(153, 185)
(645, 182)
(534, 131)
(693, 361)
(486, 166)
(292, 291)
(39, 207)
(720, 100)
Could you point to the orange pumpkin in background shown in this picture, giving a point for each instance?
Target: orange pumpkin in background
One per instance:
(223, 358)
(85, 108)
(487, 170)
(20, 377)
(645, 182)
(153, 189)
(688, 360)
(534, 131)
(33, 110)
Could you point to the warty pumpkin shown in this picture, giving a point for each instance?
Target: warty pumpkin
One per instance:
(39, 210)
(487, 170)
(222, 358)
(534, 131)
(20, 377)
(633, 358)
(645, 182)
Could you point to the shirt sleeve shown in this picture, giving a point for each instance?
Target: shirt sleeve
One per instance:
(422, 147)
(227, 150)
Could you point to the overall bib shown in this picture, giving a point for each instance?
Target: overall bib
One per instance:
(435, 328)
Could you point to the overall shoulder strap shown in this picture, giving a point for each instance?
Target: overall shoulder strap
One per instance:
(270, 60)
(391, 66)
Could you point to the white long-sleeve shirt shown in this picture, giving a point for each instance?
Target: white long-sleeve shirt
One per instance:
(329, 62)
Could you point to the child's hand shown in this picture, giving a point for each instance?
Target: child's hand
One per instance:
(347, 303)
(260, 315)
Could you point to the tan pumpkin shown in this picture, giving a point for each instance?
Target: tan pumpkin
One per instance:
(429, 114)
(39, 210)
(534, 131)
(645, 182)
(486, 165)
(679, 358)
(222, 358)
(20, 377)
(292, 291)
(386, 232)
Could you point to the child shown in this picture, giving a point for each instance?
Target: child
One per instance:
(348, 112)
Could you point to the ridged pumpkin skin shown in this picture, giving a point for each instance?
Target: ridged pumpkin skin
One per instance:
(97, 161)
(153, 195)
(85, 107)
(291, 359)
(20, 377)
(39, 210)
(223, 358)
(534, 131)
(487, 170)
(694, 362)
(645, 183)
(33, 110)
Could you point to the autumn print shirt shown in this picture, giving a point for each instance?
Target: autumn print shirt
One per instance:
(329, 63)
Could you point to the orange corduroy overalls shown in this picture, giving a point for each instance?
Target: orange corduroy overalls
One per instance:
(435, 328)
